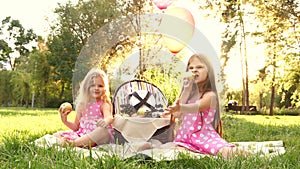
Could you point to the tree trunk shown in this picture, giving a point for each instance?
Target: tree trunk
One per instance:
(44, 98)
(246, 78)
(243, 58)
(260, 100)
(272, 100)
(246, 85)
(27, 93)
(246, 89)
(243, 79)
(32, 99)
(273, 86)
(62, 91)
(21, 102)
(27, 103)
(45, 93)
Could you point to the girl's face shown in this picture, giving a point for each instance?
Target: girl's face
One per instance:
(97, 88)
(199, 69)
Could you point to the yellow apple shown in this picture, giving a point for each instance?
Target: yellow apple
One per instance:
(66, 106)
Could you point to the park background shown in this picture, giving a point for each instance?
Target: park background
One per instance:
(256, 43)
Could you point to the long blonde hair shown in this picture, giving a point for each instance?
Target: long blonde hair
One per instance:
(83, 97)
(209, 85)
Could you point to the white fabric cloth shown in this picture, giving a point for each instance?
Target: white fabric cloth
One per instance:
(157, 151)
(136, 129)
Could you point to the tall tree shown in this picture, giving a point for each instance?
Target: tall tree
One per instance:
(76, 23)
(64, 50)
(278, 20)
(21, 87)
(131, 37)
(15, 41)
(122, 38)
(6, 88)
(290, 82)
(233, 14)
(39, 69)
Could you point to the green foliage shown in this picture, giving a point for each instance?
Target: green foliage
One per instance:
(16, 39)
(288, 112)
(160, 79)
(21, 86)
(40, 77)
(6, 88)
(77, 23)
(5, 50)
(64, 48)
(279, 29)
(290, 82)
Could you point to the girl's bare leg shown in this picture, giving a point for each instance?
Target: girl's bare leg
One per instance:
(99, 136)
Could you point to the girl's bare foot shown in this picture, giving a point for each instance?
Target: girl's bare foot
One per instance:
(230, 152)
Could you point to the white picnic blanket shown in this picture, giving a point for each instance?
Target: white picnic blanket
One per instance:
(157, 151)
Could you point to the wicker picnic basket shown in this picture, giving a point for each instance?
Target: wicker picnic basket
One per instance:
(137, 108)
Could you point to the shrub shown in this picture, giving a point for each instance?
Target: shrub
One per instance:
(291, 112)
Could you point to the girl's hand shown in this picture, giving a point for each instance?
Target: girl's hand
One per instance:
(64, 113)
(173, 110)
(188, 81)
(64, 109)
(102, 123)
(66, 142)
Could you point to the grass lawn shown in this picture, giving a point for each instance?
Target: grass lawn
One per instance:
(19, 127)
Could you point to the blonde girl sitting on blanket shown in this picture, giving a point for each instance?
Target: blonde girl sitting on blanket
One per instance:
(92, 124)
(200, 130)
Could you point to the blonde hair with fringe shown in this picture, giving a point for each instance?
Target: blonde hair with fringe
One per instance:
(83, 97)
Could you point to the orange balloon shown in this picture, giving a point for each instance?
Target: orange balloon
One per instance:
(177, 27)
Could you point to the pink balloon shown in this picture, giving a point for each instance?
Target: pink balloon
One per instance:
(178, 28)
(163, 4)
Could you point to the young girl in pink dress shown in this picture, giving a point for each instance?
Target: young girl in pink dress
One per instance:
(92, 124)
(198, 108)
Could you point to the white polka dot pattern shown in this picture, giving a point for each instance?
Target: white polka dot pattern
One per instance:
(200, 137)
(87, 121)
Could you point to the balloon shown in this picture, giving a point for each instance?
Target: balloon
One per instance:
(162, 4)
(177, 27)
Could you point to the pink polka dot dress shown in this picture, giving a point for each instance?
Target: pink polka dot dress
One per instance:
(88, 122)
(197, 133)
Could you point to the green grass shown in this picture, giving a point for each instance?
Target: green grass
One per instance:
(19, 127)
